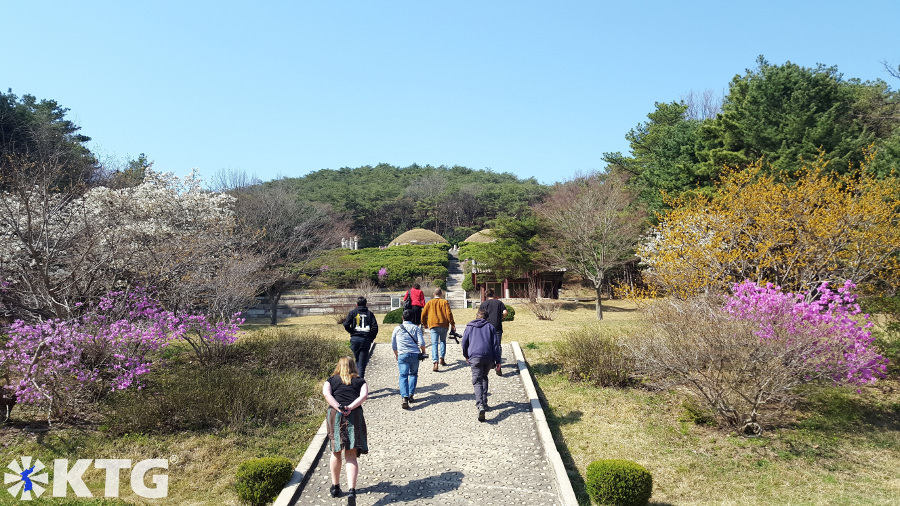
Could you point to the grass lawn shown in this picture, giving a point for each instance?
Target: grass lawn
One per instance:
(844, 449)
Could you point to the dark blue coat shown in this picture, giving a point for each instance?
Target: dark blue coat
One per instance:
(480, 340)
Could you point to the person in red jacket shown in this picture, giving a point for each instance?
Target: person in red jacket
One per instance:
(417, 297)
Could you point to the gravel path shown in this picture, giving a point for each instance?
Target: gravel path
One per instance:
(438, 452)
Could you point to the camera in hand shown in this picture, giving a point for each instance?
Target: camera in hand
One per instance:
(422, 356)
(455, 336)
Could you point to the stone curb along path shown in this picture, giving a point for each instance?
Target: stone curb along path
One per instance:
(438, 452)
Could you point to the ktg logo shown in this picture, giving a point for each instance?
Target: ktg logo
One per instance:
(27, 477)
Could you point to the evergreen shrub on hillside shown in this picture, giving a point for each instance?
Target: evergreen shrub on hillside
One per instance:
(618, 482)
(467, 284)
(402, 265)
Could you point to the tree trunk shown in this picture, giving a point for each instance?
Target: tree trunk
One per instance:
(599, 303)
(6, 407)
(274, 297)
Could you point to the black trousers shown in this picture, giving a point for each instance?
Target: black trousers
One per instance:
(362, 349)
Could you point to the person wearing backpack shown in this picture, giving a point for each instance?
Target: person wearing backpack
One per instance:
(408, 344)
(414, 300)
(363, 328)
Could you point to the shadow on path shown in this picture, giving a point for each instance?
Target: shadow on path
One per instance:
(500, 412)
(423, 488)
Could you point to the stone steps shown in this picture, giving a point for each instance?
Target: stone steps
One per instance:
(456, 296)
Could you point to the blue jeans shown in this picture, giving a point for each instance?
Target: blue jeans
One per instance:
(409, 373)
(438, 342)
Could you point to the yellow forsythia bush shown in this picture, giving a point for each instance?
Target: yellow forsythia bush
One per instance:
(793, 230)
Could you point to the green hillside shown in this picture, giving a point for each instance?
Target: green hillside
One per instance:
(384, 201)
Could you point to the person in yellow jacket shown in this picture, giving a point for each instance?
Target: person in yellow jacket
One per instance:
(437, 317)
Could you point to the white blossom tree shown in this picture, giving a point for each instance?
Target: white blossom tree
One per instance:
(64, 245)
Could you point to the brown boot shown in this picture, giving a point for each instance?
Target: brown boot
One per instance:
(434, 367)
(442, 361)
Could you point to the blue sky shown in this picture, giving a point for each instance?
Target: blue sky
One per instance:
(538, 89)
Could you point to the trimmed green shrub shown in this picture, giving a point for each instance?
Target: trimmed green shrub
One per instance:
(510, 314)
(395, 316)
(594, 355)
(467, 284)
(260, 480)
(618, 482)
(404, 264)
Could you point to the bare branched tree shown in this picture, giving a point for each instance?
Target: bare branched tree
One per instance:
(591, 225)
(225, 180)
(288, 234)
(893, 71)
(703, 105)
(41, 227)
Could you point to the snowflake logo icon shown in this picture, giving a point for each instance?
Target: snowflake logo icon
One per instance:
(25, 477)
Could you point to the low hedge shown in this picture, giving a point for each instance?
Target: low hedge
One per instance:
(394, 316)
(618, 482)
(260, 480)
(403, 265)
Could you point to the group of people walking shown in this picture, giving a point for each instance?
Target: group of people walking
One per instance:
(346, 389)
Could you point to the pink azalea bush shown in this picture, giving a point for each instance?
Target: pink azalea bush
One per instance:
(746, 359)
(843, 349)
(58, 363)
(208, 338)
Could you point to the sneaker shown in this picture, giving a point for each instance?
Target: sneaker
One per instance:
(335, 491)
(434, 367)
(442, 361)
(480, 415)
(351, 497)
(405, 403)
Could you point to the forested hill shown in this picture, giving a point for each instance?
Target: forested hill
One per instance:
(384, 201)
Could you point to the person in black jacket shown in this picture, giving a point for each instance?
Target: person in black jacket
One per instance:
(363, 328)
(481, 348)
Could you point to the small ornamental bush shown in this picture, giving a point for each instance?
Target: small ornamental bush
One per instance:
(395, 316)
(467, 284)
(260, 480)
(594, 355)
(543, 309)
(618, 482)
(510, 314)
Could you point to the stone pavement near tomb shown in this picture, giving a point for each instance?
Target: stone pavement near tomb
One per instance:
(438, 452)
